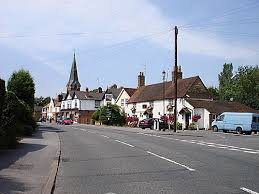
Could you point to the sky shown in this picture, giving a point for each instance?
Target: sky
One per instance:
(114, 40)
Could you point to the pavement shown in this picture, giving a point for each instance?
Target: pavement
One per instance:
(32, 166)
(100, 159)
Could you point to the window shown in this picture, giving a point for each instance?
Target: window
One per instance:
(151, 104)
(134, 105)
(63, 105)
(255, 119)
(144, 106)
(126, 101)
(220, 118)
(122, 102)
(97, 104)
(75, 104)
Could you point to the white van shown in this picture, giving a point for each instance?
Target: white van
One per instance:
(238, 122)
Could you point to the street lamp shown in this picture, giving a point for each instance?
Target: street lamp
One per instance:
(163, 74)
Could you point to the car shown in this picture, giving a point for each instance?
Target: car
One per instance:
(67, 121)
(149, 123)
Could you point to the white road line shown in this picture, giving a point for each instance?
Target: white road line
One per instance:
(248, 190)
(169, 160)
(125, 143)
(105, 136)
(214, 145)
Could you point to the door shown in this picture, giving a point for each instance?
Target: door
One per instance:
(187, 120)
(220, 122)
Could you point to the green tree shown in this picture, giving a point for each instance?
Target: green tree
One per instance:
(2, 95)
(22, 84)
(226, 84)
(247, 86)
(110, 115)
(214, 92)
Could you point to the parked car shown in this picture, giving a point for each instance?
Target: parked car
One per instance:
(237, 122)
(67, 121)
(149, 123)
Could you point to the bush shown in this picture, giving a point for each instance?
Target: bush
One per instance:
(11, 127)
(192, 126)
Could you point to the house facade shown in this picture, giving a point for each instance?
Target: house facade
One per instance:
(123, 98)
(156, 100)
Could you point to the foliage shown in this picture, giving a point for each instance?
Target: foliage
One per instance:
(11, 123)
(226, 89)
(22, 84)
(179, 126)
(192, 126)
(214, 92)
(110, 115)
(242, 87)
(247, 86)
(41, 101)
(2, 95)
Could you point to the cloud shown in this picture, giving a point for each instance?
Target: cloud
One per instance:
(104, 22)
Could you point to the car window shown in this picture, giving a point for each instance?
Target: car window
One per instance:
(254, 119)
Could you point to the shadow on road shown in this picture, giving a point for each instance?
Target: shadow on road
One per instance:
(17, 186)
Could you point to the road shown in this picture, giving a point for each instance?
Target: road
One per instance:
(113, 160)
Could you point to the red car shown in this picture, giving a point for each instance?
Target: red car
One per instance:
(67, 121)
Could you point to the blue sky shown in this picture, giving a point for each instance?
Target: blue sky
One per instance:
(115, 39)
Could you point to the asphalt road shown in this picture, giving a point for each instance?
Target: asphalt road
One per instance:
(107, 160)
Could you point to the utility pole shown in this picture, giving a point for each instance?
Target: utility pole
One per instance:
(175, 79)
(163, 74)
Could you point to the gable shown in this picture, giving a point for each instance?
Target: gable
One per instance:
(198, 90)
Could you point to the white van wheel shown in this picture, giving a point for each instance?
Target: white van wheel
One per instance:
(215, 128)
(239, 130)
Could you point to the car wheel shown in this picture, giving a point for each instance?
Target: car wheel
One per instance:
(224, 131)
(215, 129)
(239, 130)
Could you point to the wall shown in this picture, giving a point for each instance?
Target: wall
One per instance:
(125, 97)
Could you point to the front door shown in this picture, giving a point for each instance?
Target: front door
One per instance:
(187, 119)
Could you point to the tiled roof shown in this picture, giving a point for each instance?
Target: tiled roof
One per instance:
(218, 107)
(114, 91)
(83, 95)
(130, 91)
(155, 91)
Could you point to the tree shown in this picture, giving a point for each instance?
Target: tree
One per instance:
(226, 89)
(214, 92)
(2, 95)
(110, 115)
(247, 86)
(22, 84)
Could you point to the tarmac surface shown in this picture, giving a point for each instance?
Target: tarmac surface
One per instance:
(99, 159)
(27, 169)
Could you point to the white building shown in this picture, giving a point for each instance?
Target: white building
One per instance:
(123, 98)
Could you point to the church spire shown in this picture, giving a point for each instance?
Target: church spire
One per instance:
(73, 83)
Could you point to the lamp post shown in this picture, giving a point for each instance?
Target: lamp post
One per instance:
(163, 74)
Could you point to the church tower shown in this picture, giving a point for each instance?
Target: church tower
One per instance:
(73, 83)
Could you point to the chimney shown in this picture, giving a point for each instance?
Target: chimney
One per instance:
(100, 90)
(60, 97)
(179, 73)
(141, 79)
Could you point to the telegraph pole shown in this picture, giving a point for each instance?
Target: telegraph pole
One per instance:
(175, 79)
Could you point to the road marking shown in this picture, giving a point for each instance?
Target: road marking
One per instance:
(248, 190)
(82, 129)
(105, 136)
(209, 144)
(169, 160)
(125, 143)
